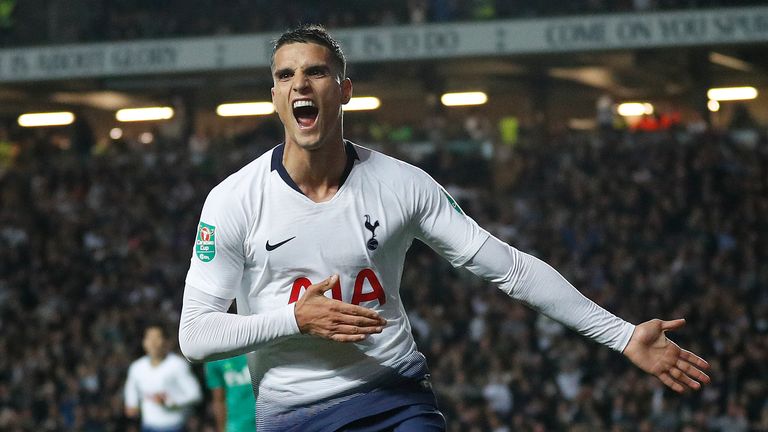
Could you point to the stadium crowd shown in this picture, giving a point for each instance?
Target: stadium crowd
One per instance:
(56, 22)
(96, 241)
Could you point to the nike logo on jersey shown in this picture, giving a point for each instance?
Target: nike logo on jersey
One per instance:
(277, 245)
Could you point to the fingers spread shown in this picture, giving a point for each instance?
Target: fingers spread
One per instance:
(354, 330)
(351, 333)
(364, 324)
(694, 359)
(359, 311)
(363, 321)
(692, 371)
(684, 379)
(347, 338)
(325, 285)
(671, 382)
(672, 325)
(341, 327)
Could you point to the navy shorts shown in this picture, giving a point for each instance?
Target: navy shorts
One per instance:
(402, 405)
(145, 428)
(412, 418)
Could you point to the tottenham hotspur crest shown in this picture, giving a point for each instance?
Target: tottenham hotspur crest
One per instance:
(372, 242)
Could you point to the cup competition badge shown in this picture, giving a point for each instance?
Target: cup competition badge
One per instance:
(205, 244)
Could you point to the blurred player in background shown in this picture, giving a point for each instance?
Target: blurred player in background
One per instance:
(233, 403)
(160, 385)
(313, 235)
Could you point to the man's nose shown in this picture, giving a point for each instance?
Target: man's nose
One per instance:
(300, 82)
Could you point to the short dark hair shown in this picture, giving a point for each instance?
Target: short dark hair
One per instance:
(154, 324)
(312, 33)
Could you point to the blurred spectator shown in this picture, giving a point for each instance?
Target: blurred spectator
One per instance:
(160, 386)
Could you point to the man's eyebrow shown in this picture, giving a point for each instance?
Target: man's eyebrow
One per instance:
(281, 71)
(318, 66)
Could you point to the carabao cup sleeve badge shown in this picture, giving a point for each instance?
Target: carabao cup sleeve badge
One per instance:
(205, 243)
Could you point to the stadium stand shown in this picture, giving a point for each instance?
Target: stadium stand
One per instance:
(94, 244)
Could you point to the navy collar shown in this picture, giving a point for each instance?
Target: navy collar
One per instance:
(277, 165)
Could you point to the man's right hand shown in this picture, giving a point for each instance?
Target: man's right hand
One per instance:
(318, 315)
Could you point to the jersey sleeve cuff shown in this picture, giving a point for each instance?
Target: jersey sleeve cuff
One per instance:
(288, 316)
(626, 334)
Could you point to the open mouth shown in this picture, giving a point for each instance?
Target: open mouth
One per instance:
(305, 113)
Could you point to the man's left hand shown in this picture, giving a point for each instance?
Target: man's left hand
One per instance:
(651, 350)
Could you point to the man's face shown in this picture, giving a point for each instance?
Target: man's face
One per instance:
(154, 342)
(308, 95)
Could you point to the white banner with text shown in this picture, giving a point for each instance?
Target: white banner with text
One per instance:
(375, 44)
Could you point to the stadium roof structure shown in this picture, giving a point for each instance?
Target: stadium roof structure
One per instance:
(559, 66)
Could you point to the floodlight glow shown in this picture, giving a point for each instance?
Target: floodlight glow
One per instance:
(245, 109)
(732, 93)
(581, 123)
(730, 62)
(146, 137)
(362, 104)
(462, 99)
(144, 114)
(633, 109)
(46, 119)
(115, 133)
(713, 105)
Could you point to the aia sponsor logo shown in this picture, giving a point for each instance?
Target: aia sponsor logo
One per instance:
(358, 296)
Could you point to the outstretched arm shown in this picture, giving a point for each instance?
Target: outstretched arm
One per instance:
(532, 281)
(651, 350)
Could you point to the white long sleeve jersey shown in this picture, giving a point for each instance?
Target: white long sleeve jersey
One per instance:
(261, 241)
(172, 377)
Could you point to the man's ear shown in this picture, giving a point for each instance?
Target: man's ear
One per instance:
(346, 90)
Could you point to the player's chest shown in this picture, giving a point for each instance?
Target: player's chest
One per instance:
(156, 379)
(350, 232)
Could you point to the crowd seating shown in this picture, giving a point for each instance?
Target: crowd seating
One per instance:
(97, 240)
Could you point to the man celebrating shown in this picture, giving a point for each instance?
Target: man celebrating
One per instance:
(160, 385)
(310, 238)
